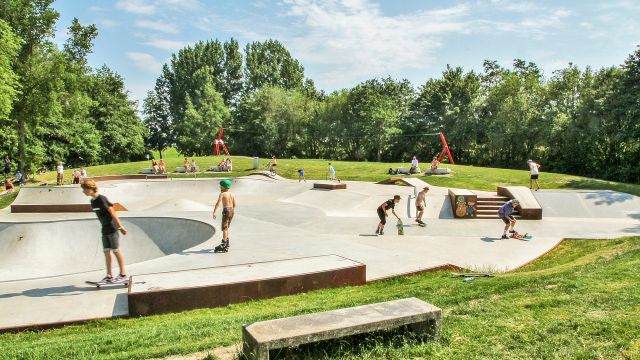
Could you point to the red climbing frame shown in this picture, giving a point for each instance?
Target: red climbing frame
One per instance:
(219, 142)
(445, 150)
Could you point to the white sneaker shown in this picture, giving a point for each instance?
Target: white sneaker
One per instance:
(121, 278)
(107, 280)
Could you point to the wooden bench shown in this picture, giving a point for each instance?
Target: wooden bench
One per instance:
(261, 337)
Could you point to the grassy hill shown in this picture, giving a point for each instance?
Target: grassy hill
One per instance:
(580, 302)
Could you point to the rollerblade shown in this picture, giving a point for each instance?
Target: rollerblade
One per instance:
(223, 247)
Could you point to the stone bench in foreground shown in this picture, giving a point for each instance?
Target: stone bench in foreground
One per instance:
(261, 337)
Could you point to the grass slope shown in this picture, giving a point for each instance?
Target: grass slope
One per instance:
(581, 301)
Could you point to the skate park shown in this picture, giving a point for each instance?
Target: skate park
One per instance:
(282, 228)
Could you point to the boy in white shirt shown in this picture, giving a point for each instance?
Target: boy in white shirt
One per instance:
(535, 172)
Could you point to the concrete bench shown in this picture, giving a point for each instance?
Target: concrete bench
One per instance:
(181, 169)
(261, 337)
(329, 185)
(218, 168)
(146, 171)
(438, 171)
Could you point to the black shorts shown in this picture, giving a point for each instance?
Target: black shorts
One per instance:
(111, 242)
(506, 219)
(534, 177)
(419, 208)
(382, 216)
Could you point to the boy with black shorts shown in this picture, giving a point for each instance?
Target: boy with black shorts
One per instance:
(505, 213)
(534, 170)
(110, 226)
(382, 212)
(228, 202)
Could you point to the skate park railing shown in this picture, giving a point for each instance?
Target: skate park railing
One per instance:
(529, 209)
(416, 315)
(464, 203)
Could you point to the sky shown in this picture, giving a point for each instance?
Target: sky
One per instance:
(341, 43)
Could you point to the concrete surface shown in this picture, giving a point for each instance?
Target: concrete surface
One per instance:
(43, 281)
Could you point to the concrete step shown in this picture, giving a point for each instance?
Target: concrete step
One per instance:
(488, 207)
(494, 198)
(491, 211)
(490, 202)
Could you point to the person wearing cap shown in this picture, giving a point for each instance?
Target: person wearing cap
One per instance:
(506, 214)
(421, 202)
(111, 226)
(382, 212)
(535, 171)
(228, 202)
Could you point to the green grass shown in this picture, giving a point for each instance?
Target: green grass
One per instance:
(580, 301)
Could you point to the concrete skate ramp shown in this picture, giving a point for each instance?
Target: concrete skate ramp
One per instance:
(588, 204)
(36, 250)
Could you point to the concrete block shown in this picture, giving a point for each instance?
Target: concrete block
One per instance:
(329, 185)
(261, 337)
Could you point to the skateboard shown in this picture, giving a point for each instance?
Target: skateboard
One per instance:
(98, 284)
(471, 275)
(400, 227)
(421, 225)
(525, 236)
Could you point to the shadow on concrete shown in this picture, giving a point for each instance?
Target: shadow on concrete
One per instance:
(446, 212)
(635, 229)
(68, 290)
(609, 197)
(121, 305)
(489, 238)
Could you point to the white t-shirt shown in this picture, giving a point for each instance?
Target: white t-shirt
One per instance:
(534, 168)
(414, 163)
(331, 170)
(60, 169)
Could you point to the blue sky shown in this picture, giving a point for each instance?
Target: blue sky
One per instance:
(341, 43)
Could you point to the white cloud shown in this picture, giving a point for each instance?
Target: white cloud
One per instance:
(165, 44)
(145, 62)
(141, 7)
(357, 40)
(106, 23)
(161, 26)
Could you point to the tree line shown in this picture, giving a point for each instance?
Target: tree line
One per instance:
(577, 121)
(54, 107)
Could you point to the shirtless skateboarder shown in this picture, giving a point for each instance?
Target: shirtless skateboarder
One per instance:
(421, 202)
(228, 202)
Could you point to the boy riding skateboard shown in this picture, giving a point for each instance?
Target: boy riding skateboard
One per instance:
(228, 202)
(111, 225)
(382, 212)
(421, 202)
(505, 213)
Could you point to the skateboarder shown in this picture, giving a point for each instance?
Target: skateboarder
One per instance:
(228, 202)
(332, 173)
(505, 213)
(382, 212)
(535, 172)
(301, 175)
(421, 202)
(111, 225)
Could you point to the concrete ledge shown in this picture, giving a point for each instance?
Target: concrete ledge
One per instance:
(438, 171)
(220, 286)
(464, 203)
(128, 177)
(58, 208)
(181, 169)
(330, 186)
(529, 209)
(261, 337)
(218, 168)
(146, 171)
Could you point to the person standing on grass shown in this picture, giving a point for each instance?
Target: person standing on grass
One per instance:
(111, 229)
(228, 202)
(534, 169)
(506, 214)
(60, 172)
(7, 167)
(421, 202)
(382, 212)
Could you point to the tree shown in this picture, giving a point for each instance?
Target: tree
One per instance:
(158, 120)
(270, 63)
(32, 21)
(233, 81)
(203, 117)
(80, 42)
(9, 86)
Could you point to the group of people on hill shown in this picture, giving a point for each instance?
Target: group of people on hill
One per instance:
(158, 167)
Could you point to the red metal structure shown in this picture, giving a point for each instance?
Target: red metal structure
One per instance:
(445, 150)
(219, 142)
